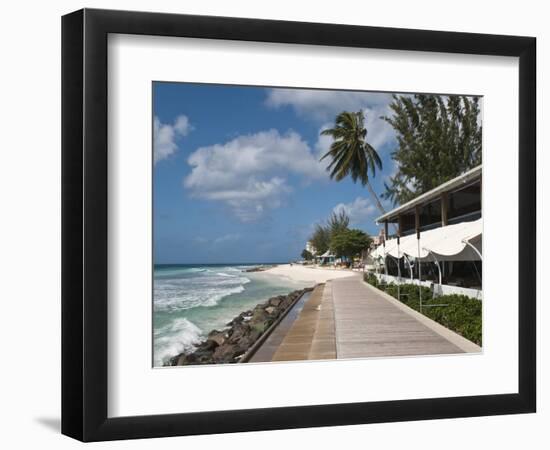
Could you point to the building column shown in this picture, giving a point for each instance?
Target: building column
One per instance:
(399, 225)
(417, 229)
(417, 221)
(444, 208)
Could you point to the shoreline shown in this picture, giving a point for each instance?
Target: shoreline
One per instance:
(230, 344)
(304, 274)
(227, 344)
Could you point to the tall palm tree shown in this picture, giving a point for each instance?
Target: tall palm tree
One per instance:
(351, 154)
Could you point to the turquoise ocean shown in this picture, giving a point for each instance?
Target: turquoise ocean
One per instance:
(191, 300)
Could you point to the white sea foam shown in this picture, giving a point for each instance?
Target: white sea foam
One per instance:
(189, 302)
(201, 289)
(180, 336)
(179, 300)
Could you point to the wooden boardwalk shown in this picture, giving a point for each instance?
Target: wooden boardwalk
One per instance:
(347, 318)
(312, 335)
(368, 324)
(323, 345)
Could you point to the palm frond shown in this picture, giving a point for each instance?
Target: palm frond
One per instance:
(350, 154)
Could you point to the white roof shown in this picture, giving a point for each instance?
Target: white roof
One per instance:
(445, 243)
(327, 254)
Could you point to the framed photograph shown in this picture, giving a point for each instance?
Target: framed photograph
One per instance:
(273, 224)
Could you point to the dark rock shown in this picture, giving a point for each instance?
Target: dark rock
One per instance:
(226, 353)
(254, 335)
(239, 330)
(257, 269)
(209, 345)
(218, 337)
(259, 328)
(229, 345)
(259, 316)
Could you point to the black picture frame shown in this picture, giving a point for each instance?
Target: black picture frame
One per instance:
(84, 224)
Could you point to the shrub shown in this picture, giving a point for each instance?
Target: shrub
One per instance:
(370, 278)
(462, 315)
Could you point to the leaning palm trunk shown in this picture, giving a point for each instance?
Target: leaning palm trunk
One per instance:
(375, 197)
(379, 205)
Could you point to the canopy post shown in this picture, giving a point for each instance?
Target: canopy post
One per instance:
(410, 265)
(419, 271)
(469, 244)
(398, 272)
(438, 269)
(385, 256)
(417, 229)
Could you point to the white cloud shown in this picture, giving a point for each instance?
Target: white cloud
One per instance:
(358, 211)
(251, 200)
(379, 132)
(324, 106)
(231, 237)
(249, 173)
(391, 172)
(165, 136)
(182, 125)
(226, 238)
(322, 146)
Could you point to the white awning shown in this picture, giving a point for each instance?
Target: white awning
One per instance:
(449, 243)
(327, 254)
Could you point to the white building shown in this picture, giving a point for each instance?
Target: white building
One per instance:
(438, 239)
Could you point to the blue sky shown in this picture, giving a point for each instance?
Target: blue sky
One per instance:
(237, 176)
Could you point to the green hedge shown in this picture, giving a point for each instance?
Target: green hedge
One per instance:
(462, 314)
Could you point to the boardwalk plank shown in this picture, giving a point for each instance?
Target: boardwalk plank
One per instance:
(367, 325)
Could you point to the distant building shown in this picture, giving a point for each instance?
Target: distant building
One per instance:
(326, 258)
(377, 240)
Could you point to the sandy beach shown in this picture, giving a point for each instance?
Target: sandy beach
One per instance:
(300, 273)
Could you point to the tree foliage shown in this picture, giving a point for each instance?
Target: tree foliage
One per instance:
(320, 239)
(439, 137)
(306, 255)
(337, 222)
(350, 153)
(336, 235)
(323, 233)
(349, 243)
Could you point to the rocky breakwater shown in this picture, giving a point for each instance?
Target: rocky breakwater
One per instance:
(230, 344)
(258, 269)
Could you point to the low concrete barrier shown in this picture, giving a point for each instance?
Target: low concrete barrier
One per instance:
(443, 289)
